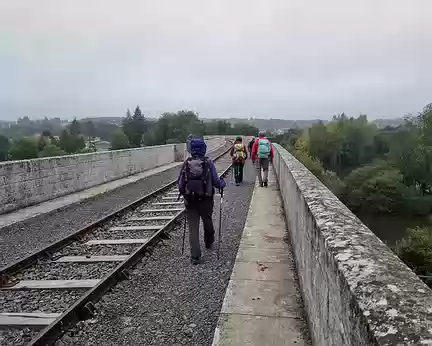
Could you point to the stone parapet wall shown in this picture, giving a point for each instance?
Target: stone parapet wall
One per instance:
(28, 182)
(355, 290)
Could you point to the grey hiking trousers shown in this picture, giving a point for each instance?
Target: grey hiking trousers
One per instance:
(194, 211)
(262, 164)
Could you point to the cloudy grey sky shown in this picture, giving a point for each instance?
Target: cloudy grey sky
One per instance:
(293, 59)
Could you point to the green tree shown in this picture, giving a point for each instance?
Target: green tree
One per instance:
(4, 148)
(416, 251)
(119, 141)
(244, 129)
(134, 127)
(23, 149)
(175, 127)
(89, 129)
(51, 150)
(376, 187)
(218, 127)
(70, 143)
(74, 127)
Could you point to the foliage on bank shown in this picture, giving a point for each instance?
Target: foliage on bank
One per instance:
(380, 171)
(371, 170)
(416, 252)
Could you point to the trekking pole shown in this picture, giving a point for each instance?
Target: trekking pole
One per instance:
(184, 235)
(184, 228)
(220, 223)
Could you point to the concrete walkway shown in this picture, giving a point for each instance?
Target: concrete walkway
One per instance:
(60, 202)
(262, 305)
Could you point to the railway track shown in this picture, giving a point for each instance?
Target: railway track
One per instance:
(53, 289)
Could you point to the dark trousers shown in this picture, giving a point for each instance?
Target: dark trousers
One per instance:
(195, 210)
(238, 172)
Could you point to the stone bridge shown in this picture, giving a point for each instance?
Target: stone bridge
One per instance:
(355, 291)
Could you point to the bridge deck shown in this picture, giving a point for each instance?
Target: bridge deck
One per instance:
(262, 304)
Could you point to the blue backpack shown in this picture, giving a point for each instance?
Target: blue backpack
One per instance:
(263, 148)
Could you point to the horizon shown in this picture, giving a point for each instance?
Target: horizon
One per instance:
(280, 59)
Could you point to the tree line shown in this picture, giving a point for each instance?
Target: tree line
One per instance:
(71, 140)
(379, 171)
(28, 139)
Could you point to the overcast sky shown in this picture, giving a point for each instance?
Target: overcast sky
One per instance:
(274, 58)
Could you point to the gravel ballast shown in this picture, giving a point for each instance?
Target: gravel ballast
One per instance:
(23, 238)
(168, 301)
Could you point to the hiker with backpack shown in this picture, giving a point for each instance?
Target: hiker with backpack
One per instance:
(239, 156)
(250, 145)
(188, 141)
(197, 182)
(262, 156)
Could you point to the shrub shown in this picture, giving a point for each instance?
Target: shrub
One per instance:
(415, 250)
(376, 187)
(50, 150)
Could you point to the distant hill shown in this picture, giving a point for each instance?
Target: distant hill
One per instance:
(262, 124)
(381, 123)
(281, 124)
(272, 124)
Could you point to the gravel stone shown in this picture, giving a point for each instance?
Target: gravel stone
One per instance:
(21, 239)
(38, 300)
(78, 249)
(16, 337)
(106, 234)
(168, 301)
(46, 270)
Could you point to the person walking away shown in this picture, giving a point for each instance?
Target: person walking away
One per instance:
(250, 145)
(197, 182)
(239, 156)
(188, 143)
(262, 155)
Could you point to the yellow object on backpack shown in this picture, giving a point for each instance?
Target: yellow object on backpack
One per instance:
(239, 152)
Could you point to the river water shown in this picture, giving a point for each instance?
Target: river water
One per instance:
(391, 228)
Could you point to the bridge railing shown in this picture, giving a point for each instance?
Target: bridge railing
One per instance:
(355, 290)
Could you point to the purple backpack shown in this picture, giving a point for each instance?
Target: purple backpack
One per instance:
(195, 180)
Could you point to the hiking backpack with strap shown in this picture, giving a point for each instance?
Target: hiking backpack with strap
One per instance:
(263, 148)
(194, 180)
(239, 152)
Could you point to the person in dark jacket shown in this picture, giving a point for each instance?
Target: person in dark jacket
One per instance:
(197, 182)
(239, 156)
(250, 145)
(188, 141)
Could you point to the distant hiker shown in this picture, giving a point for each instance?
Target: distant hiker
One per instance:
(196, 184)
(262, 155)
(250, 145)
(239, 156)
(188, 143)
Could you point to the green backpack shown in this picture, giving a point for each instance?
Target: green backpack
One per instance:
(263, 148)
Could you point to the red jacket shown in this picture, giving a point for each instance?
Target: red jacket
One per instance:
(255, 149)
(232, 152)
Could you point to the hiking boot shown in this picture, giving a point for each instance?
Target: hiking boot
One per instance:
(196, 260)
(265, 184)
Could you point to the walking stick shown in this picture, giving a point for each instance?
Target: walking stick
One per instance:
(184, 229)
(184, 235)
(220, 223)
